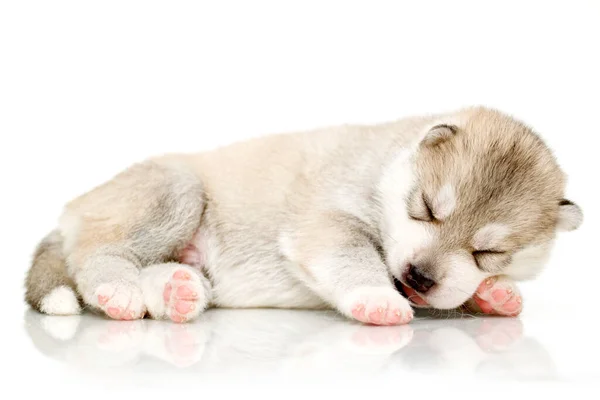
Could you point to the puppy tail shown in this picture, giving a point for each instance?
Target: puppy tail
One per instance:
(48, 287)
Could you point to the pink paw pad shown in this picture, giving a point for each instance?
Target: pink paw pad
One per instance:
(120, 301)
(184, 307)
(377, 316)
(358, 312)
(394, 316)
(380, 315)
(113, 311)
(497, 296)
(177, 318)
(500, 295)
(484, 305)
(181, 295)
(184, 292)
(183, 275)
(513, 305)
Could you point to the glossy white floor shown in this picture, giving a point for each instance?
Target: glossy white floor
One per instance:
(311, 345)
(550, 342)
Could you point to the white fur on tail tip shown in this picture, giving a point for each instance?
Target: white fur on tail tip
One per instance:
(60, 301)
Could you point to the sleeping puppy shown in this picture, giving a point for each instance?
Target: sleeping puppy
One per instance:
(436, 211)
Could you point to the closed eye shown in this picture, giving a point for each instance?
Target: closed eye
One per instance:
(428, 209)
(425, 214)
(489, 259)
(487, 252)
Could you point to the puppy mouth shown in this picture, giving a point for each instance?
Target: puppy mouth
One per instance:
(410, 294)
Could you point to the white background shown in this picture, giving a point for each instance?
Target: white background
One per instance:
(87, 88)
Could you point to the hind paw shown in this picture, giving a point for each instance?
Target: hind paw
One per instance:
(174, 291)
(182, 296)
(498, 296)
(120, 300)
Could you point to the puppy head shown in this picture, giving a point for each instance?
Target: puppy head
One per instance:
(482, 195)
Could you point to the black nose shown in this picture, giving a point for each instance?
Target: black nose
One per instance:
(417, 281)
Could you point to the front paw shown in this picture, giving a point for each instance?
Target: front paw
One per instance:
(499, 296)
(377, 306)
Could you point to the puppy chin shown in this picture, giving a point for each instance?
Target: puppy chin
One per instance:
(441, 298)
(445, 298)
(461, 279)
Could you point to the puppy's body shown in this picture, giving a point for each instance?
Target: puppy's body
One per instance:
(328, 218)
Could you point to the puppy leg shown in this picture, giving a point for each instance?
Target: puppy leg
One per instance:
(174, 291)
(109, 282)
(336, 257)
(144, 216)
(497, 295)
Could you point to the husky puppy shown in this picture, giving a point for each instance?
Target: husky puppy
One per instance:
(433, 211)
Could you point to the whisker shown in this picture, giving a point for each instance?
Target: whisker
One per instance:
(391, 237)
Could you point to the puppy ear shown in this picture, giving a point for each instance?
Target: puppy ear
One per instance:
(570, 216)
(438, 134)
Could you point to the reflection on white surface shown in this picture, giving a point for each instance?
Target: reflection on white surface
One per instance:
(282, 341)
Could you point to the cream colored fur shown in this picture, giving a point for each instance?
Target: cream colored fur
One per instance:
(315, 219)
